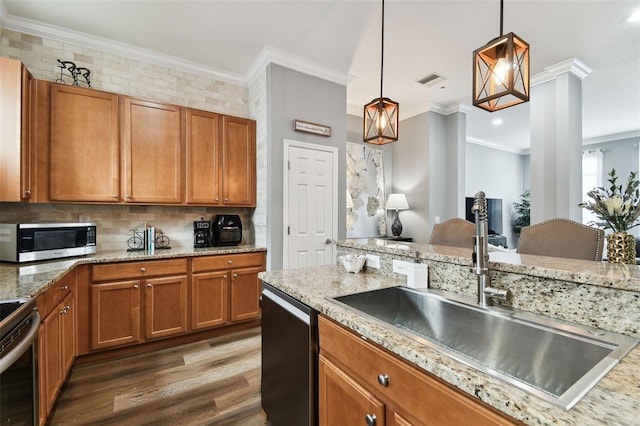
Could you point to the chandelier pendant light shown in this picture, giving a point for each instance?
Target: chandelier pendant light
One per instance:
(501, 72)
(381, 114)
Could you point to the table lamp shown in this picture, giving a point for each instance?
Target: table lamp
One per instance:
(397, 202)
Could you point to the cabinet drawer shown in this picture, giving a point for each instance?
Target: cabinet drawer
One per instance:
(56, 292)
(122, 270)
(416, 392)
(227, 261)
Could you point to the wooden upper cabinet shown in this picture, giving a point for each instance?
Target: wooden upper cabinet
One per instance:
(239, 161)
(152, 157)
(203, 157)
(84, 150)
(16, 177)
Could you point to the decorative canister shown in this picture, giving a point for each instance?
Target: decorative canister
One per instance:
(621, 248)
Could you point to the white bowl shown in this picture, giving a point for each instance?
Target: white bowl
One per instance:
(353, 263)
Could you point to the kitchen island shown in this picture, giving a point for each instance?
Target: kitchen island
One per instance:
(614, 399)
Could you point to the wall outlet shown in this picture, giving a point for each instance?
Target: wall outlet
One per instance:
(373, 261)
(400, 267)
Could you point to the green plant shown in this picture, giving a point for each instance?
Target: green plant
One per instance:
(523, 212)
(616, 209)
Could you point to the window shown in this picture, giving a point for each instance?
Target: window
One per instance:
(591, 178)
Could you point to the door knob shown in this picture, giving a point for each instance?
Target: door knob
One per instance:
(328, 241)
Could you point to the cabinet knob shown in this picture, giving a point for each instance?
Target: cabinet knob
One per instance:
(27, 192)
(383, 379)
(217, 199)
(64, 288)
(229, 262)
(371, 419)
(235, 275)
(224, 276)
(149, 285)
(135, 286)
(114, 195)
(143, 269)
(226, 199)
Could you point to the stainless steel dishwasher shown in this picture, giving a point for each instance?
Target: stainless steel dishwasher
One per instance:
(289, 359)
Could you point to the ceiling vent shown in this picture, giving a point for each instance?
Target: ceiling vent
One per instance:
(431, 79)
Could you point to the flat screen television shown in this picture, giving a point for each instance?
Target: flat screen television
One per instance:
(494, 210)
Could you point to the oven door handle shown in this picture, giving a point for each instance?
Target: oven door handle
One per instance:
(13, 355)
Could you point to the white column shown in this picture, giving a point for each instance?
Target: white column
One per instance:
(556, 141)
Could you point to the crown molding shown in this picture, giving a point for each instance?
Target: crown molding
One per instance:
(612, 137)
(64, 35)
(488, 144)
(572, 66)
(271, 55)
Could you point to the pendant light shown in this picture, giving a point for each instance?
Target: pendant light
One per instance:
(501, 72)
(381, 114)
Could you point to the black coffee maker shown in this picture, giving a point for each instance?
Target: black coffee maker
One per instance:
(201, 233)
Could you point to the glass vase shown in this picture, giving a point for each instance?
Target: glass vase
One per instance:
(621, 248)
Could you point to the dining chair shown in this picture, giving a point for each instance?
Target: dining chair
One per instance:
(562, 238)
(453, 232)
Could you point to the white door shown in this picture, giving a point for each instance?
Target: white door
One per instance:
(310, 199)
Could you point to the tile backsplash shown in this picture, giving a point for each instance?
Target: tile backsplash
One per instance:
(115, 222)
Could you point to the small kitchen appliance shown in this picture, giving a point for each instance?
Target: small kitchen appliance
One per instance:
(28, 242)
(227, 230)
(201, 233)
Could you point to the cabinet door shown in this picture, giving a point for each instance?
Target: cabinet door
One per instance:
(50, 358)
(115, 314)
(68, 333)
(342, 401)
(238, 161)
(15, 148)
(152, 152)
(85, 148)
(203, 157)
(245, 294)
(165, 306)
(209, 299)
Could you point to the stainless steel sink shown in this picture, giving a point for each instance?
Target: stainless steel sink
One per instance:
(554, 360)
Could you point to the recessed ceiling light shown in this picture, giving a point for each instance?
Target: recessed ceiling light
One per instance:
(497, 121)
(635, 17)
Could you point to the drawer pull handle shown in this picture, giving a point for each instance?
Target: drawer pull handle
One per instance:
(371, 419)
(383, 379)
(143, 269)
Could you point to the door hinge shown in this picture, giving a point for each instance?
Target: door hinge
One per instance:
(288, 165)
(288, 230)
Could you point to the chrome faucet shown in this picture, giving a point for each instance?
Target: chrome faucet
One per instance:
(480, 256)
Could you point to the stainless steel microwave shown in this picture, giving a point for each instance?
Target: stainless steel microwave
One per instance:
(27, 242)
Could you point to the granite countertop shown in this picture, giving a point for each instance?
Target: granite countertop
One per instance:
(614, 400)
(27, 280)
(604, 274)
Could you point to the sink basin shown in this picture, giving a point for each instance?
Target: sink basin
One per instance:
(552, 359)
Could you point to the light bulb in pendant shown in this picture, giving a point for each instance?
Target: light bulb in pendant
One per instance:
(501, 71)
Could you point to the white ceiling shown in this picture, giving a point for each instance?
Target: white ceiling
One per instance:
(343, 37)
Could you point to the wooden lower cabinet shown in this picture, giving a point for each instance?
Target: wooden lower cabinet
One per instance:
(358, 378)
(56, 343)
(225, 289)
(149, 296)
(343, 401)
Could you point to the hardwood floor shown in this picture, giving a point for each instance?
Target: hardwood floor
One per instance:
(212, 382)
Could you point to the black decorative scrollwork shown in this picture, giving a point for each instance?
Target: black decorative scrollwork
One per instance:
(69, 69)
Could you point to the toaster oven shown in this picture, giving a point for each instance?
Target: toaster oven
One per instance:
(227, 230)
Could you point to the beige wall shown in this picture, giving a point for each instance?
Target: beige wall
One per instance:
(145, 80)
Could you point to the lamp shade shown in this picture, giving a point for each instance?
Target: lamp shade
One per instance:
(397, 202)
(501, 73)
